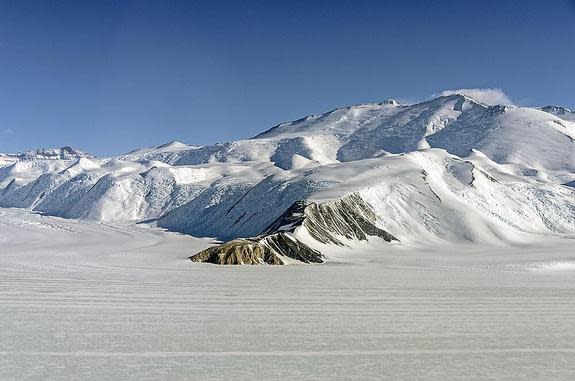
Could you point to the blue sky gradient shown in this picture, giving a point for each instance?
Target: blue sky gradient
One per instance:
(110, 76)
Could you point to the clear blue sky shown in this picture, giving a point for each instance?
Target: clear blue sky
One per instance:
(110, 76)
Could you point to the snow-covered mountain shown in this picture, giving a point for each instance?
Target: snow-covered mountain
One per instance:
(451, 169)
(64, 153)
(560, 111)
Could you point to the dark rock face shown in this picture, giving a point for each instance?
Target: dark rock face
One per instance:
(238, 252)
(349, 218)
(496, 110)
(288, 246)
(292, 218)
(261, 250)
(557, 110)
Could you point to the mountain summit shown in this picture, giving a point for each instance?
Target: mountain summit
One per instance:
(64, 153)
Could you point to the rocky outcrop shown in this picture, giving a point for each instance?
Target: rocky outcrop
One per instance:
(348, 218)
(556, 110)
(238, 252)
(271, 249)
(334, 222)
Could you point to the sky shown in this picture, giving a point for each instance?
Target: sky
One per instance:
(110, 76)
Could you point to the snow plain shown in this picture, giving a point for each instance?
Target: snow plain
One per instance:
(91, 301)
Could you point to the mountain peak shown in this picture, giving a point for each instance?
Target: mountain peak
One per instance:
(459, 97)
(63, 153)
(557, 110)
(485, 96)
(390, 101)
(172, 144)
(497, 110)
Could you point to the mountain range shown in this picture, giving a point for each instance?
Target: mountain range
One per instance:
(448, 170)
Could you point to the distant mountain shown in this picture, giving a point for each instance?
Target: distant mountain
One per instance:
(64, 153)
(557, 110)
(561, 112)
(447, 170)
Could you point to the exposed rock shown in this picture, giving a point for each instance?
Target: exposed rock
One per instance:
(557, 110)
(287, 245)
(260, 250)
(392, 102)
(496, 110)
(348, 218)
(238, 252)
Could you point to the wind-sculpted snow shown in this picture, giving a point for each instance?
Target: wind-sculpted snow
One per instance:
(451, 169)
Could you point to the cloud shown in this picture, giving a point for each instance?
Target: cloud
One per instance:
(7, 131)
(487, 96)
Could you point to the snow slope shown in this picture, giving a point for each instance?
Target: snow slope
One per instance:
(81, 300)
(450, 169)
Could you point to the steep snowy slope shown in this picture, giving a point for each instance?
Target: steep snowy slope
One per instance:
(28, 166)
(451, 169)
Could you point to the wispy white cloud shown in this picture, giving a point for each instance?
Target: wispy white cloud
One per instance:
(7, 131)
(488, 96)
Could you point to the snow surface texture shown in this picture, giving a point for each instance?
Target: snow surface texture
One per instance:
(451, 169)
(88, 301)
